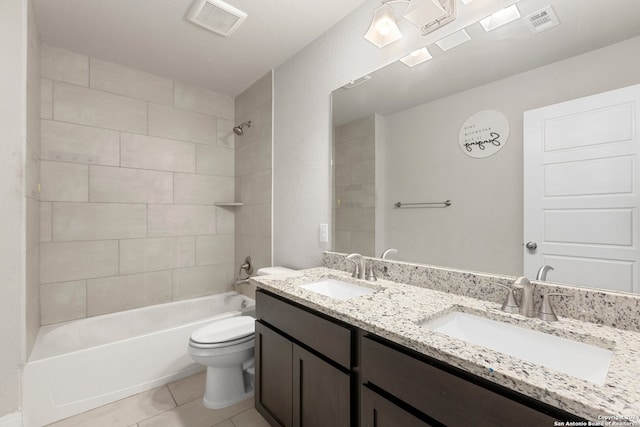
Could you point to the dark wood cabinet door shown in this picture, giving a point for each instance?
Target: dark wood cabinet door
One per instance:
(376, 411)
(321, 392)
(273, 393)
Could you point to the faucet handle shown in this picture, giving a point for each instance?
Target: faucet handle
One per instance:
(370, 273)
(509, 305)
(357, 260)
(546, 309)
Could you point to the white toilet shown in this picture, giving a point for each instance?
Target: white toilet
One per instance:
(226, 348)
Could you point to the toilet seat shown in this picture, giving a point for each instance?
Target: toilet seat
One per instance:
(224, 332)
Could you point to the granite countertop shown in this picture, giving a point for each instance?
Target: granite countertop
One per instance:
(395, 312)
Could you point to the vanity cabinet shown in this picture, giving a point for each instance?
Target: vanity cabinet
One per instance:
(443, 395)
(315, 371)
(303, 366)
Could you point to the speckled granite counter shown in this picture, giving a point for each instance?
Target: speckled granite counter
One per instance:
(396, 311)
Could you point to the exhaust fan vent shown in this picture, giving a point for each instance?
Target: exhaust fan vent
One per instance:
(216, 16)
(542, 20)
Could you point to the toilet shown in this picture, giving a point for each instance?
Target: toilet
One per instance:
(226, 348)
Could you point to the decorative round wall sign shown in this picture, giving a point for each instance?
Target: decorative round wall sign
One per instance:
(484, 134)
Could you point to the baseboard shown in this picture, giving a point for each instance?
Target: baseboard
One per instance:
(11, 420)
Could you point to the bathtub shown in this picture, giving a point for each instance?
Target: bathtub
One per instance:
(82, 364)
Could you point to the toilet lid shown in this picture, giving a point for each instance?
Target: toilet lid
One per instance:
(224, 330)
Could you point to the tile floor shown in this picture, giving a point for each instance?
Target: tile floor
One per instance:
(177, 404)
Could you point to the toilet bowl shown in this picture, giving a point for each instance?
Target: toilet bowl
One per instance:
(226, 348)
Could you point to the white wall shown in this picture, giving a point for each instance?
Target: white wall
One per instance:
(13, 39)
(302, 125)
(482, 230)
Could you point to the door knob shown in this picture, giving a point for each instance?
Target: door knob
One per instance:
(532, 246)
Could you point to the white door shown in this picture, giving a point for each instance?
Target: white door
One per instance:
(581, 190)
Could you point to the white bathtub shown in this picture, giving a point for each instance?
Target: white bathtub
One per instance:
(79, 365)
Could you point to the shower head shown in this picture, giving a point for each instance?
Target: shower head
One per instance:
(238, 130)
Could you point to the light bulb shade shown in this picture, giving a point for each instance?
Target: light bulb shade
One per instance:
(423, 12)
(500, 18)
(416, 57)
(383, 29)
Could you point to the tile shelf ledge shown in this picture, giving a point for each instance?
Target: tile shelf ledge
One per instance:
(228, 204)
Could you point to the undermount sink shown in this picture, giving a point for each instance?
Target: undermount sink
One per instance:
(337, 289)
(577, 359)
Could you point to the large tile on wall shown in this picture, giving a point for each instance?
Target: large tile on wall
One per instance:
(261, 124)
(216, 249)
(81, 144)
(355, 219)
(152, 254)
(197, 99)
(174, 123)
(60, 302)
(199, 281)
(110, 294)
(215, 160)
(225, 220)
(46, 99)
(255, 187)
(67, 261)
(254, 157)
(359, 128)
(45, 221)
(115, 78)
(181, 220)
(65, 66)
(147, 152)
(259, 93)
(84, 106)
(111, 184)
(203, 189)
(226, 136)
(64, 182)
(98, 221)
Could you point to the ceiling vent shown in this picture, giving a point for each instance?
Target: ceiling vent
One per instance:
(216, 16)
(542, 20)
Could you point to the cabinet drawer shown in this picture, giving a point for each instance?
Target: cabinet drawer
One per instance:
(376, 411)
(440, 394)
(326, 337)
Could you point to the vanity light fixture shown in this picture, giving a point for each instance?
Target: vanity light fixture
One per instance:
(453, 40)
(416, 57)
(427, 15)
(423, 12)
(500, 18)
(466, 1)
(384, 28)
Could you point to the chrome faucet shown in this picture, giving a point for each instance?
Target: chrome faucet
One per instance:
(359, 265)
(388, 252)
(526, 296)
(361, 269)
(542, 272)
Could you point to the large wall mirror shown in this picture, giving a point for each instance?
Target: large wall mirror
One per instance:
(396, 135)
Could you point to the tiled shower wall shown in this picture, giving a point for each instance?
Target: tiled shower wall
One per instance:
(253, 173)
(354, 186)
(131, 164)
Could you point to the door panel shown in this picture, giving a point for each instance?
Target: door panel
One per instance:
(581, 190)
(322, 393)
(273, 376)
